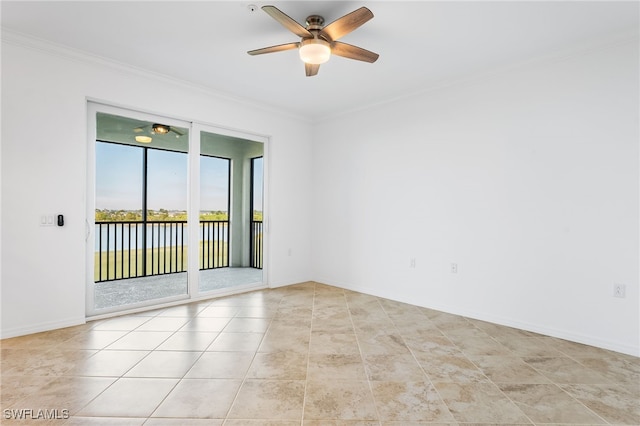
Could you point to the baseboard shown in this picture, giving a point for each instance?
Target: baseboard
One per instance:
(509, 322)
(41, 327)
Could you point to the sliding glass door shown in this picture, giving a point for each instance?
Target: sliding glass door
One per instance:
(140, 212)
(226, 187)
(170, 213)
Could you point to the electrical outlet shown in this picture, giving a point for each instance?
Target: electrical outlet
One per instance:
(454, 268)
(412, 262)
(619, 290)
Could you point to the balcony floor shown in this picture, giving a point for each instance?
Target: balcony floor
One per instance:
(135, 290)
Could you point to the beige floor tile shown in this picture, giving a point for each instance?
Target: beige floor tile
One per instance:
(341, 423)
(393, 367)
(183, 422)
(479, 403)
(129, 397)
(125, 323)
(188, 341)
(508, 369)
(140, 340)
(500, 332)
(529, 347)
(336, 366)
(449, 368)
(65, 393)
(108, 363)
(14, 361)
(565, 370)
(47, 339)
(373, 328)
(199, 398)
(206, 324)
(257, 312)
(304, 355)
(285, 341)
(409, 401)
(422, 327)
(279, 366)
(610, 402)
(577, 350)
(161, 364)
(617, 370)
(333, 325)
(55, 362)
(184, 311)
(384, 344)
(236, 342)
(104, 421)
(446, 322)
(547, 403)
(163, 324)
(333, 343)
(254, 422)
(247, 325)
(217, 311)
(406, 423)
(14, 388)
(339, 400)
(269, 399)
(477, 346)
(221, 365)
(431, 343)
(289, 312)
(94, 339)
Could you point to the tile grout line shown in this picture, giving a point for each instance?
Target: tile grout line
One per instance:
(246, 374)
(306, 379)
(364, 365)
(417, 362)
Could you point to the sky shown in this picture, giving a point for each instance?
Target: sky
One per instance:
(119, 179)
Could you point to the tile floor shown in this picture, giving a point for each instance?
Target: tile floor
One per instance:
(312, 355)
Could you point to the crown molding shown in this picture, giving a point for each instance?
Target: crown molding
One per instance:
(559, 55)
(54, 49)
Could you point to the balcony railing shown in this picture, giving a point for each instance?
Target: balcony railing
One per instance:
(131, 249)
(214, 244)
(256, 244)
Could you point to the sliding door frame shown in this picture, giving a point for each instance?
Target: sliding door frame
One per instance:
(193, 207)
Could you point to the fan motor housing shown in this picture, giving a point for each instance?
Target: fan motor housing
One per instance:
(315, 22)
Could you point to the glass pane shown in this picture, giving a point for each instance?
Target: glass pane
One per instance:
(141, 207)
(214, 188)
(257, 176)
(225, 199)
(166, 186)
(118, 182)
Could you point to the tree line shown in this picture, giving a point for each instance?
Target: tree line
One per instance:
(106, 215)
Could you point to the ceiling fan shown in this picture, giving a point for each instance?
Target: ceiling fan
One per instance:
(159, 129)
(318, 42)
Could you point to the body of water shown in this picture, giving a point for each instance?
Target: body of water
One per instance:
(115, 236)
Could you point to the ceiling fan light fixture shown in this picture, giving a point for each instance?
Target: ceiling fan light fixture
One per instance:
(143, 139)
(160, 128)
(315, 51)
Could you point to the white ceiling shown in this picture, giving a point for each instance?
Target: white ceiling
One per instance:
(422, 44)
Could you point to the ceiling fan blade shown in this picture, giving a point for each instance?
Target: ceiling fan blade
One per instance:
(349, 22)
(311, 69)
(176, 131)
(287, 22)
(353, 52)
(277, 48)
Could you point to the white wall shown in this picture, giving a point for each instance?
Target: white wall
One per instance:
(528, 180)
(44, 152)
